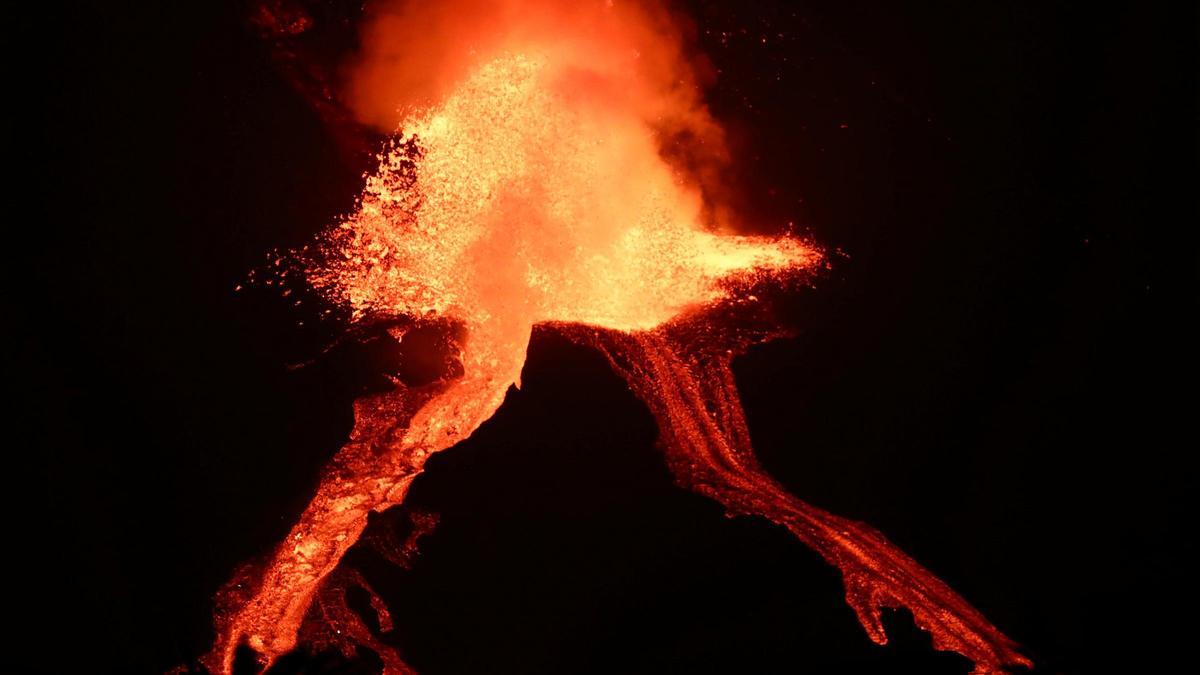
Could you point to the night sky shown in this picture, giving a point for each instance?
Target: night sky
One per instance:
(997, 371)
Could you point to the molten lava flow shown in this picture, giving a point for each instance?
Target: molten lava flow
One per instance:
(689, 388)
(535, 191)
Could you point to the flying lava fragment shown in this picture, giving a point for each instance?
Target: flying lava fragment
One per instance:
(554, 166)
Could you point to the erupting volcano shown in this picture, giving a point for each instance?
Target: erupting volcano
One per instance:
(554, 165)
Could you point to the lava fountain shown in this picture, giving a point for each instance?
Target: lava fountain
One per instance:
(555, 167)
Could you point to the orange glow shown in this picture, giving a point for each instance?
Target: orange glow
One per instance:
(528, 186)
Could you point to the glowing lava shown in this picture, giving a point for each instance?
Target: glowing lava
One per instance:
(535, 192)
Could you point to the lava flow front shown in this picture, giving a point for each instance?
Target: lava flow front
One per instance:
(558, 172)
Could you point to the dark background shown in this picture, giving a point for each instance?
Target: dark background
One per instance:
(994, 373)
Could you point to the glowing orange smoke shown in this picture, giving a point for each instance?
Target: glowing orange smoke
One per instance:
(529, 187)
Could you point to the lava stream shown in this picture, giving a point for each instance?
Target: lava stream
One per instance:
(693, 397)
